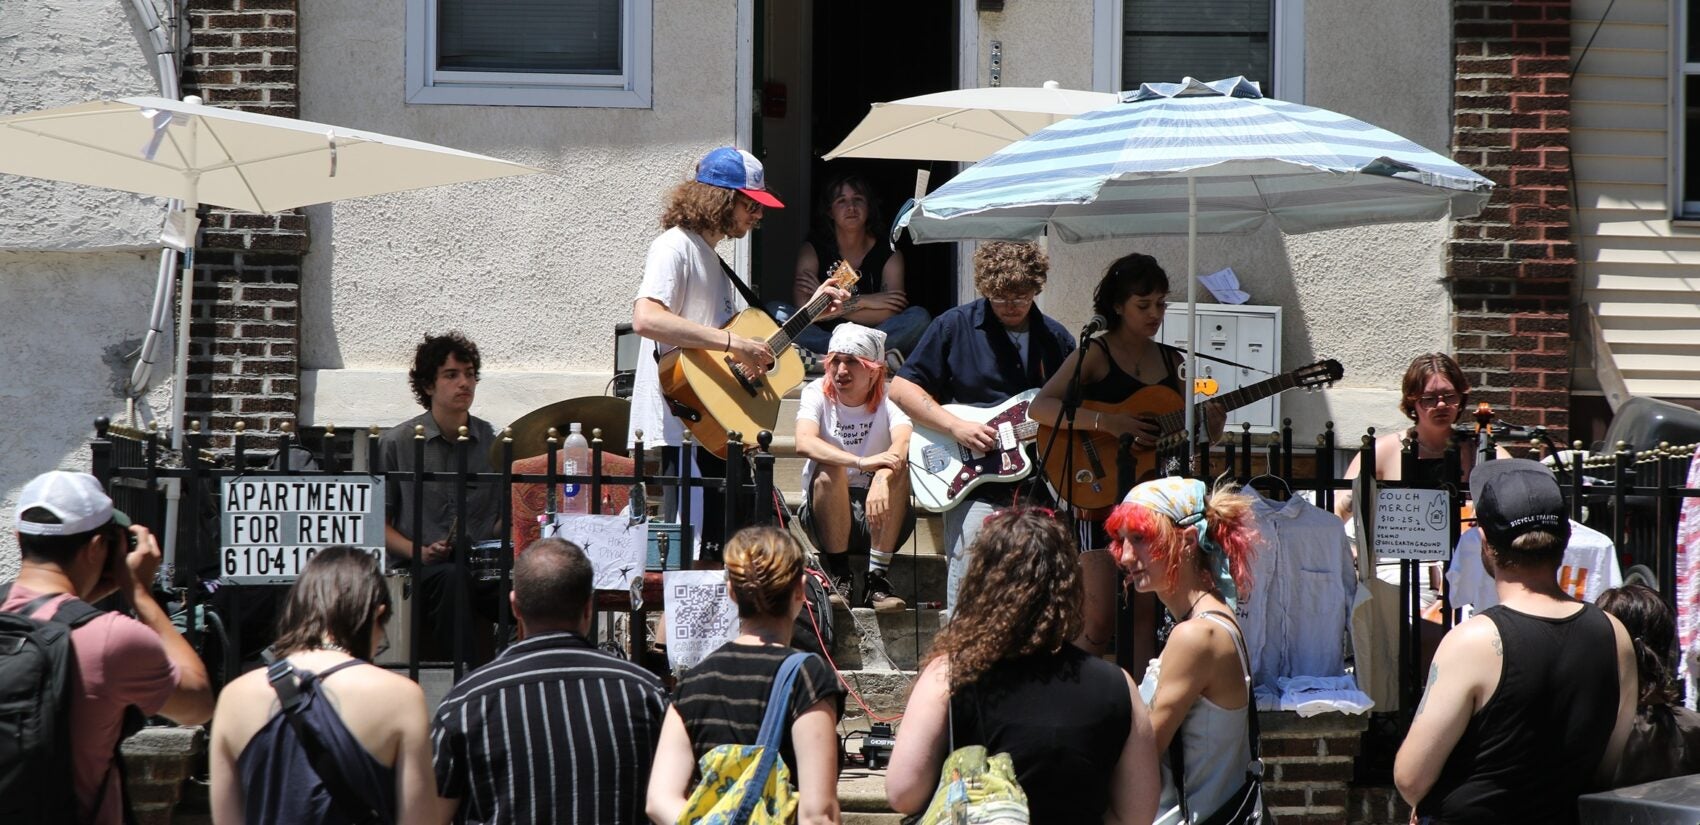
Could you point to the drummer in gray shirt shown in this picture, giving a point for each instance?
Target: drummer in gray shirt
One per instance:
(445, 380)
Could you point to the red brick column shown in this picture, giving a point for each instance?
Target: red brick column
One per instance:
(1511, 268)
(245, 332)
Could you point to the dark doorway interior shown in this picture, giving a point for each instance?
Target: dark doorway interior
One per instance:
(868, 51)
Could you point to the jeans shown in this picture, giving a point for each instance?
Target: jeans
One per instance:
(902, 331)
(961, 526)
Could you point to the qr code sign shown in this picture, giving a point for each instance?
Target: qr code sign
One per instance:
(700, 612)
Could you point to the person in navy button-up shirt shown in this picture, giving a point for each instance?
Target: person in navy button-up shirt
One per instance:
(980, 354)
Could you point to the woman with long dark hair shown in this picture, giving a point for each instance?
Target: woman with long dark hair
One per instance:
(370, 723)
(1005, 674)
(1664, 739)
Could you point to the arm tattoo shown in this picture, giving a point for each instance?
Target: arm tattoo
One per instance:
(1498, 646)
(1433, 674)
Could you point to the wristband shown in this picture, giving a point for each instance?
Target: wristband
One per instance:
(728, 347)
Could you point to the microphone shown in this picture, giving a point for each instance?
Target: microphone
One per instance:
(1093, 327)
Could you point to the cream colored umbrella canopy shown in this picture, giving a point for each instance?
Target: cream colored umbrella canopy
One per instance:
(963, 125)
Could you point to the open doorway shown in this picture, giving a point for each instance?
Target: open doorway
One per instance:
(818, 66)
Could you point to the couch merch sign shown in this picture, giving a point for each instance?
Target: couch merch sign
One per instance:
(269, 526)
(1412, 523)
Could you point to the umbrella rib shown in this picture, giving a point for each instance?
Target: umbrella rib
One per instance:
(904, 128)
(237, 167)
(96, 148)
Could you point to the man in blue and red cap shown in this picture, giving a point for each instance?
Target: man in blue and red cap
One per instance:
(687, 295)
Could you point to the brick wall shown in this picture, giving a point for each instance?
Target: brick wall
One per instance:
(1511, 268)
(156, 762)
(1308, 766)
(245, 332)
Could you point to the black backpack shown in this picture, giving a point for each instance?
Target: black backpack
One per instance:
(36, 665)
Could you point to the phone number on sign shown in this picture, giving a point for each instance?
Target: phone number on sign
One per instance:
(270, 563)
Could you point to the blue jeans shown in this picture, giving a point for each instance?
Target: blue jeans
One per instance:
(961, 526)
(902, 331)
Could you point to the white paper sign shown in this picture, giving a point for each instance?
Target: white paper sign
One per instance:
(1411, 524)
(700, 615)
(615, 546)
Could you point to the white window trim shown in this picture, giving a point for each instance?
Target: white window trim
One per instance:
(1287, 41)
(631, 90)
(1682, 67)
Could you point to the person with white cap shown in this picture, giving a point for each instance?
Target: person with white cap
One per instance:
(1529, 702)
(856, 482)
(687, 294)
(77, 549)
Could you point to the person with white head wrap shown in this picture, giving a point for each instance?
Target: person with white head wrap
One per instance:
(856, 483)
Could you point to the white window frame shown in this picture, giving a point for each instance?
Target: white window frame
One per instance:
(629, 90)
(1287, 44)
(1683, 66)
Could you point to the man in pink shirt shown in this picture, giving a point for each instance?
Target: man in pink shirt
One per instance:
(74, 543)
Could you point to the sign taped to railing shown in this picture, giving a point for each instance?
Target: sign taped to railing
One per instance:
(269, 526)
(1412, 524)
(700, 615)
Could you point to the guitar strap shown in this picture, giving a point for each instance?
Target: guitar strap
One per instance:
(743, 288)
(1202, 357)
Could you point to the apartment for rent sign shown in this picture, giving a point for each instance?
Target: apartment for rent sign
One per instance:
(271, 525)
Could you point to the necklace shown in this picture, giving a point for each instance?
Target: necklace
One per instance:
(333, 648)
(1193, 607)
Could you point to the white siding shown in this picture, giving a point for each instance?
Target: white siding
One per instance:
(1640, 272)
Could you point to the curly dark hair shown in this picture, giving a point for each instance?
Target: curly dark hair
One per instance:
(1010, 268)
(1130, 275)
(430, 356)
(701, 208)
(876, 225)
(1424, 367)
(1025, 598)
(1652, 629)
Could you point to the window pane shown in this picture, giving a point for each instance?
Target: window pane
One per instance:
(1690, 142)
(553, 36)
(1165, 41)
(1693, 37)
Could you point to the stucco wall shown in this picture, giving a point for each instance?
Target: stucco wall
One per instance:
(61, 53)
(1392, 66)
(72, 321)
(537, 270)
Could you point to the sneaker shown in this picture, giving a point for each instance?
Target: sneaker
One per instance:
(812, 363)
(879, 595)
(838, 591)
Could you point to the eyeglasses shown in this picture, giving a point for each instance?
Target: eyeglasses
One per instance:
(1450, 399)
(1011, 303)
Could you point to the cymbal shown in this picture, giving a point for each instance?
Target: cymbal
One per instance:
(531, 431)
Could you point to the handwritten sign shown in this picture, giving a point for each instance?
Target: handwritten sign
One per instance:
(616, 547)
(271, 525)
(700, 615)
(1412, 524)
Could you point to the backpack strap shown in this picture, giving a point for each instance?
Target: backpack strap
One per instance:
(772, 732)
(289, 686)
(74, 613)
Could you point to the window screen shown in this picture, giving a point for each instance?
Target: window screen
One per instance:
(546, 36)
(1165, 40)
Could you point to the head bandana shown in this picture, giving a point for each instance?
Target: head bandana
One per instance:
(1182, 500)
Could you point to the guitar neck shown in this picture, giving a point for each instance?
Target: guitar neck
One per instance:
(1175, 422)
(799, 321)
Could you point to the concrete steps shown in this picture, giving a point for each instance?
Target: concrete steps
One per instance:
(882, 641)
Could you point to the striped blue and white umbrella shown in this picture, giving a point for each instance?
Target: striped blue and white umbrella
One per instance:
(1191, 157)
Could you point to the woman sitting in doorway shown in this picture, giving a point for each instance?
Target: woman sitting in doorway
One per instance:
(849, 228)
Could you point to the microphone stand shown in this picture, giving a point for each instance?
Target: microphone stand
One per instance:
(1070, 408)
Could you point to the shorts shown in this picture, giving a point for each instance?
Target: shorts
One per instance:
(860, 540)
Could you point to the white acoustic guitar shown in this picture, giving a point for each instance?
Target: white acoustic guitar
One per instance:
(942, 472)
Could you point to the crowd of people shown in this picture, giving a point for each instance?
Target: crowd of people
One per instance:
(1528, 703)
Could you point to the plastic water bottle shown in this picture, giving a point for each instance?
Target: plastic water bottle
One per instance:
(576, 460)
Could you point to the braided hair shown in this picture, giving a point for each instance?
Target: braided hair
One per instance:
(763, 566)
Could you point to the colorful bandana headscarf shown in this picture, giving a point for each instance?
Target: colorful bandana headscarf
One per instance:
(1182, 500)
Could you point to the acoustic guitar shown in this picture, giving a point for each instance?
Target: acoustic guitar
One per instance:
(1090, 484)
(711, 393)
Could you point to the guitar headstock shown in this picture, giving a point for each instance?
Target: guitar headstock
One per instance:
(843, 276)
(1318, 375)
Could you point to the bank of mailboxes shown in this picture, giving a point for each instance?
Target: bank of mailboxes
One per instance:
(1241, 333)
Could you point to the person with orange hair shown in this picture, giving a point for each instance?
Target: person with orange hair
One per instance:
(856, 482)
(721, 701)
(1193, 548)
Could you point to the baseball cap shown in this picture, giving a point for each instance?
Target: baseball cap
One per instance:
(76, 499)
(1515, 496)
(858, 340)
(732, 168)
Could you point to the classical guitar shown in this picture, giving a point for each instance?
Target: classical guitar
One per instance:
(1089, 484)
(942, 471)
(711, 393)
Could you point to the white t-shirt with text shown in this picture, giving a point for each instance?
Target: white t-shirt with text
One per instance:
(851, 429)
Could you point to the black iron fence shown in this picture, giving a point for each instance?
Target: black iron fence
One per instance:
(139, 469)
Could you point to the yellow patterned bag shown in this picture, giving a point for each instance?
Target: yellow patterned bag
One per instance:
(975, 789)
(749, 784)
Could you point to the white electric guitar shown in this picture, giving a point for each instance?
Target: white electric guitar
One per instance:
(941, 471)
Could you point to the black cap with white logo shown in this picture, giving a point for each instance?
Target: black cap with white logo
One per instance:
(1514, 496)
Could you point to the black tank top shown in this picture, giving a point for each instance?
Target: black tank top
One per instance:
(1062, 718)
(1537, 743)
(1118, 384)
(872, 269)
(279, 782)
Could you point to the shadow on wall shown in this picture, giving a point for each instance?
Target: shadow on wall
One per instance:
(72, 323)
(319, 346)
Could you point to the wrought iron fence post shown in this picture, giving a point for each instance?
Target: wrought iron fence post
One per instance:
(1576, 486)
(595, 471)
(416, 633)
(1325, 466)
(1624, 476)
(764, 504)
(1664, 542)
(462, 572)
(1287, 451)
(1124, 599)
(100, 453)
(190, 486)
(1245, 452)
(734, 488)
(327, 449)
(505, 556)
(687, 465)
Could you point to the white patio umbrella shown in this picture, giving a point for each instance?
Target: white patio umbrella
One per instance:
(965, 124)
(198, 154)
(1195, 157)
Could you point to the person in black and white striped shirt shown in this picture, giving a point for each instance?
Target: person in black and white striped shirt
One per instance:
(553, 730)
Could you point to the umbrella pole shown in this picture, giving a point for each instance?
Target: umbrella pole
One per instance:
(1191, 320)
